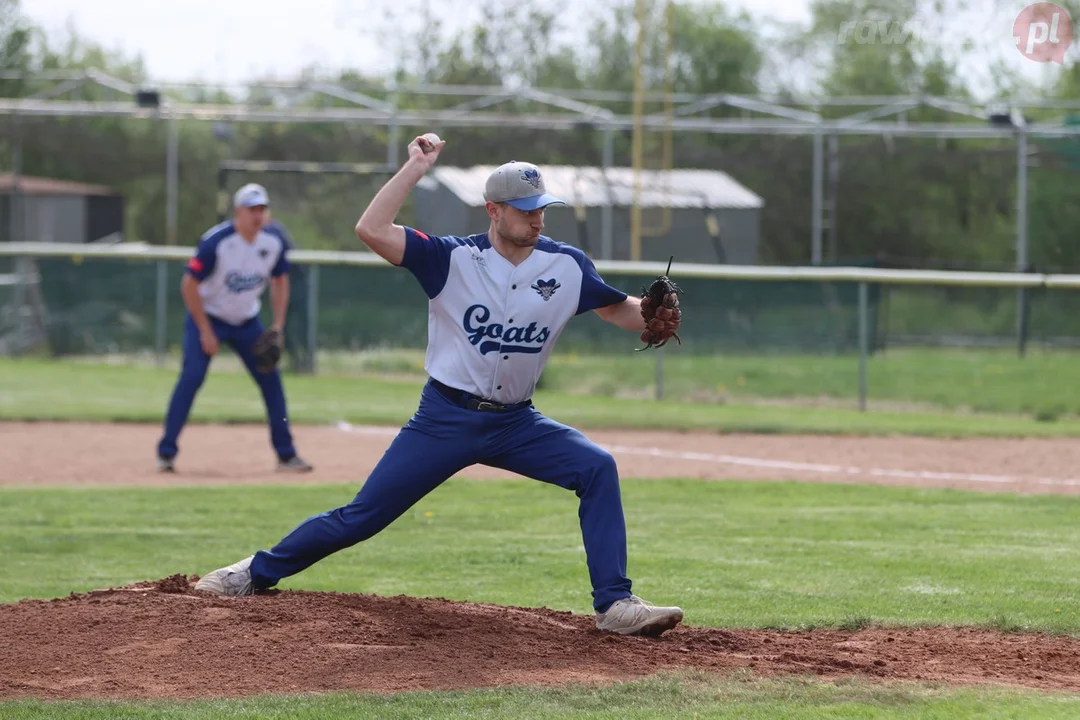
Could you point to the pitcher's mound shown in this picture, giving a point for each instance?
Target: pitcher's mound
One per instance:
(162, 640)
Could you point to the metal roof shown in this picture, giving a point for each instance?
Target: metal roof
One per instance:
(29, 185)
(597, 187)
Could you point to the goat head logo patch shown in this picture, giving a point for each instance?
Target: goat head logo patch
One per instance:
(546, 288)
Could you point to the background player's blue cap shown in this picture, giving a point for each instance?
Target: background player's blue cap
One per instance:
(519, 184)
(251, 195)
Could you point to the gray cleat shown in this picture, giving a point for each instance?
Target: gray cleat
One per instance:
(165, 464)
(229, 581)
(295, 464)
(634, 616)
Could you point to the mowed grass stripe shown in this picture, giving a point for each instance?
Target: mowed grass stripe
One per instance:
(33, 389)
(733, 554)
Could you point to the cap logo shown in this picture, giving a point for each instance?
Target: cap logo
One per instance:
(532, 177)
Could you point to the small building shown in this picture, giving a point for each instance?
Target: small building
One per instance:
(59, 211)
(699, 216)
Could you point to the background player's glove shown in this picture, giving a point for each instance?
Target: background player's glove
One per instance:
(661, 311)
(267, 350)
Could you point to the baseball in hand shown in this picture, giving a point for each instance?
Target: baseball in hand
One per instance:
(429, 141)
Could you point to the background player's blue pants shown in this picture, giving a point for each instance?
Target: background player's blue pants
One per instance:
(240, 338)
(441, 439)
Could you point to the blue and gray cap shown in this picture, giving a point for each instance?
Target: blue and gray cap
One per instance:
(520, 185)
(251, 195)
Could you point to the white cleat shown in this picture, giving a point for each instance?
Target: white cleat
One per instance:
(295, 464)
(634, 616)
(165, 464)
(229, 581)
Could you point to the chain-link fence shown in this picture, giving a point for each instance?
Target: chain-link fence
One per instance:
(746, 339)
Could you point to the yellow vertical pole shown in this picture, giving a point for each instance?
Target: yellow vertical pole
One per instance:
(669, 111)
(636, 139)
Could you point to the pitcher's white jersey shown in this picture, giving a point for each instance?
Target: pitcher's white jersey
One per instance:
(491, 325)
(233, 273)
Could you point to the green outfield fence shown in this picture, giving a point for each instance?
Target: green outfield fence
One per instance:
(123, 299)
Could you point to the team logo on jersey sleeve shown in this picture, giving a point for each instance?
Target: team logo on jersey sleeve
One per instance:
(494, 337)
(546, 288)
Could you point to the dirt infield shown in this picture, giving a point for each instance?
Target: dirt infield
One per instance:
(160, 639)
(34, 454)
(163, 640)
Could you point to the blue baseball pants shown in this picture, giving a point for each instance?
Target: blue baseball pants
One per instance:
(241, 338)
(439, 440)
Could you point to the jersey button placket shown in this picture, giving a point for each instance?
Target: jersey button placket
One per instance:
(509, 322)
(505, 313)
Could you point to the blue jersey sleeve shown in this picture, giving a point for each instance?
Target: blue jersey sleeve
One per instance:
(427, 257)
(282, 266)
(595, 293)
(201, 265)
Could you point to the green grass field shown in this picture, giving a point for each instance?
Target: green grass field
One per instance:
(1044, 383)
(666, 697)
(734, 554)
(384, 390)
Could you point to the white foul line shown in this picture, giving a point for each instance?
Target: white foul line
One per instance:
(837, 469)
(717, 459)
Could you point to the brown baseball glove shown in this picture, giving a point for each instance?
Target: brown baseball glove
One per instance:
(267, 350)
(661, 311)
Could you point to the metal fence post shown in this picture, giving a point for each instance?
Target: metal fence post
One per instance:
(21, 278)
(312, 315)
(1021, 232)
(172, 179)
(160, 305)
(607, 249)
(817, 191)
(659, 376)
(393, 134)
(864, 342)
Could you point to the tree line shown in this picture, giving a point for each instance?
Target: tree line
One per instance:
(905, 201)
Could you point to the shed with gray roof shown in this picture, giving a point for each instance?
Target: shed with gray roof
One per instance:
(702, 216)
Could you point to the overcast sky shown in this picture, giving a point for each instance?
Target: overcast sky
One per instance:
(228, 42)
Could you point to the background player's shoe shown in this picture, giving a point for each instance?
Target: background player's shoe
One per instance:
(634, 616)
(294, 464)
(165, 464)
(232, 580)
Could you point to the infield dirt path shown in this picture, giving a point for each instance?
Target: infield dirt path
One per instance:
(108, 454)
(160, 639)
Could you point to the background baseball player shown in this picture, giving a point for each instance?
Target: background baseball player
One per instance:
(498, 301)
(222, 286)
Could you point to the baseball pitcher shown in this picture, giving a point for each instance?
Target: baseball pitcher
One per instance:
(498, 301)
(222, 286)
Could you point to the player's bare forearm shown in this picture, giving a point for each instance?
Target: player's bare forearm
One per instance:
(279, 300)
(189, 291)
(626, 314)
(376, 227)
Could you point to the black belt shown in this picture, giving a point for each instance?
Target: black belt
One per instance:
(474, 402)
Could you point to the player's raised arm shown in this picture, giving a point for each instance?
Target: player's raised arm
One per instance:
(376, 227)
